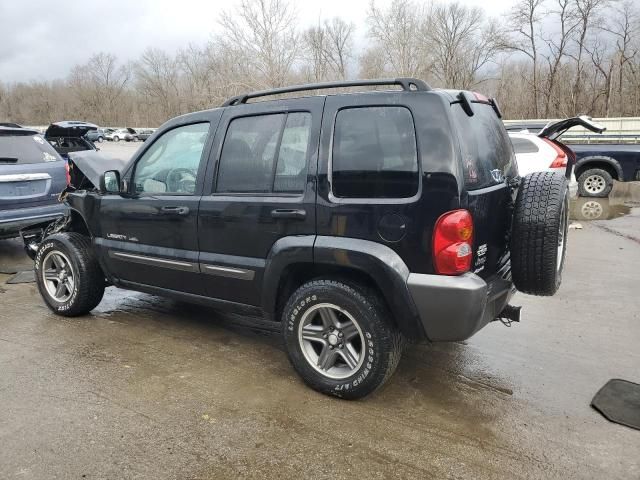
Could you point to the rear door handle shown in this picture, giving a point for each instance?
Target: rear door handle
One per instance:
(175, 211)
(296, 214)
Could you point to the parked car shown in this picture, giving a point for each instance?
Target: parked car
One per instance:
(598, 165)
(10, 125)
(32, 174)
(144, 134)
(358, 221)
(68, 136)
(97, 135)
(544, 152)
(126, 134)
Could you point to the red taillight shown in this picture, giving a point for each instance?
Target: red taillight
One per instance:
(452, 240)
(561, 157)
(67, 174)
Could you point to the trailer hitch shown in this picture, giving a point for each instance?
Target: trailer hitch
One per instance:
(508, 315)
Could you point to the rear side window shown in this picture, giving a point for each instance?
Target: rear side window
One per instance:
(522, 145)
(23, 149)
(487, 154)
(374, 153)
(265, 154)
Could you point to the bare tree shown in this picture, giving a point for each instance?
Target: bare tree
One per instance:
(339, 51)
(315, 46)
(525, 25)
(99, 85)
(396, 33)
(462, 44)
(586, 11)
(157, 76)
(264, 31)
(328, 49)
(624, 26)
(557, 46)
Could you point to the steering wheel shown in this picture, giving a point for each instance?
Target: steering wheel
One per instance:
(181, 180)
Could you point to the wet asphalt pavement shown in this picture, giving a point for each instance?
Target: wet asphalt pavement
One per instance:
(150, 388)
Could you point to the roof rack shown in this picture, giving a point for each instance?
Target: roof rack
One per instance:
(407, 84)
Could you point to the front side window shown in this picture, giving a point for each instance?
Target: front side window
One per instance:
(171, 164)
(374, 153)
(265, 154)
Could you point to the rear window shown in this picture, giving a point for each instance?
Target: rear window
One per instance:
(522, 145)
(487, 154)
(374, 153)
(23, 149)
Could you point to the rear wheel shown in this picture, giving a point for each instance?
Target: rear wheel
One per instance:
(116, 139)
(100, 139)
(340, 338)
(68, 275)
(539, 234)
(595, 182)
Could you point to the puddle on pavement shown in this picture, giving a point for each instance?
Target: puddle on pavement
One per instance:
(623, 199)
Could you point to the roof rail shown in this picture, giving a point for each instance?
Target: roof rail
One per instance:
(407, 84)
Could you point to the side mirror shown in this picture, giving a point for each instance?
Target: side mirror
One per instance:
(110, 182)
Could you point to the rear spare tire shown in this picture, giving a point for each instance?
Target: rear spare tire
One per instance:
(539, 233)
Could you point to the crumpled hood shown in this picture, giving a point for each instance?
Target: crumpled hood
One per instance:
(69, 129)
(93, 164)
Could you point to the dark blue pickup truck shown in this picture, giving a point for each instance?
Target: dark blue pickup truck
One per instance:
(598, 165)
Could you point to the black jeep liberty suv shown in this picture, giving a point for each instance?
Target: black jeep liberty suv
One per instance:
(359, 221)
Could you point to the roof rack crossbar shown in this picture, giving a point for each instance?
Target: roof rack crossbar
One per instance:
(407, 84)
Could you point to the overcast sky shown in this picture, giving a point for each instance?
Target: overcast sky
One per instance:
(42, 40)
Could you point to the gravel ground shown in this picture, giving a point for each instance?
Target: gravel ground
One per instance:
(149, 388)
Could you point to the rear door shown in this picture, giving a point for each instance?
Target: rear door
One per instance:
(488, 165)
(261, 189)
(31, 171)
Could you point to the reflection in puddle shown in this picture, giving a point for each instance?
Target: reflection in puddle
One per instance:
(623, 199)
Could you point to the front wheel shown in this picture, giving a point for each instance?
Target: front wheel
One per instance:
(595, 182)
(340, 338)
(68, 275)
(100, 139)
(116, 139)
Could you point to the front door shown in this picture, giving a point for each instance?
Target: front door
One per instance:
(261, 190)
(149, 236)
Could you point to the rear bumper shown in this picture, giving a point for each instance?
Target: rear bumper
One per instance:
(12, 221)
(454, 308)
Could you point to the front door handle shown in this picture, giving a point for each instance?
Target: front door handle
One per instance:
(293, 213)
(182, 211)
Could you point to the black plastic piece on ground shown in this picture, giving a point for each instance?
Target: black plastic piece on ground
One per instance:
(619, 402)
(407, 84)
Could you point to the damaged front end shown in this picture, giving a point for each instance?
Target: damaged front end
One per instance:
(84, 170)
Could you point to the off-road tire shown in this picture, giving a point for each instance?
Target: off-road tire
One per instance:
(583, 189)
(540, 218)
(382, 348)
(89, 281)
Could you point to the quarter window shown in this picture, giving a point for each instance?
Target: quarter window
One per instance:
(264, 154)
(171, 164)
(374, 153)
